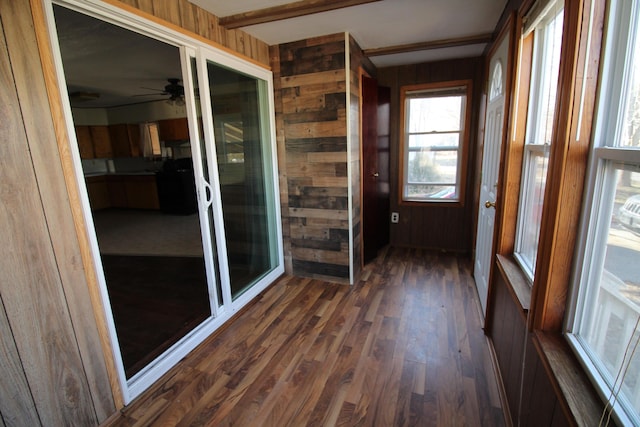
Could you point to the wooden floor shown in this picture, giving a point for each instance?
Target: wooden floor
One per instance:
(404, 346)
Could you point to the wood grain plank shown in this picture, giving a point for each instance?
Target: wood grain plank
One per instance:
(46, 341)
(310, 352)
(16, 403)
(78, 274)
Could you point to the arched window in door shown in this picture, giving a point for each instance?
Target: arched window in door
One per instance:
(496, 81)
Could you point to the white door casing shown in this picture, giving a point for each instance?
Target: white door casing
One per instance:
(494, 127)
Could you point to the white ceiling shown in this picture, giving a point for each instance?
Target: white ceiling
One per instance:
(379, 24)
(117, 63)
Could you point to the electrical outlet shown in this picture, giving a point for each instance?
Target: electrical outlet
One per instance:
(395, 217)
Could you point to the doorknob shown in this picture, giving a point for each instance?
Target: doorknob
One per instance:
(375, 174)
(489, 204)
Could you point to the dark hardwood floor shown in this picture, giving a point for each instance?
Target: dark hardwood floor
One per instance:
(403, 346)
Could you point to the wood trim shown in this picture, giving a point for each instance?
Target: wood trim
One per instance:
(287, 11)
(429, 45)
(577, 397)
(66, 160)
(159, 21)
(513, 153)
(567, 163)
(361, 73)
(466, 141)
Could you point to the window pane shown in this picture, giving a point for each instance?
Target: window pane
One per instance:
(550, 65)
(245, 175)
(531, 211)
(435, 114)
(540, 120)
(434, 140)
(432, 167)
(430, 192)
(631, 127)
(614, 299)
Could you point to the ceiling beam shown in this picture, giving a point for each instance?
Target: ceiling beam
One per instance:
(286, 11)
(435, 44)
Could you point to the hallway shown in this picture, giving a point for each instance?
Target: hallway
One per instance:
(403, 346)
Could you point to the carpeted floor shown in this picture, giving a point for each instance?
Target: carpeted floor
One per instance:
(155, 301)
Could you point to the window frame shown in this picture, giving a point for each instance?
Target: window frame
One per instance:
(463, 146)
(535, 144)
(606, 159)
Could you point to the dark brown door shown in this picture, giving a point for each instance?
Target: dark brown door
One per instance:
(375, 167)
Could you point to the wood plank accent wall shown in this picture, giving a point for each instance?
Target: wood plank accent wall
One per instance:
(190, 17)
(52, 365)
(434, 226)
(311, 119)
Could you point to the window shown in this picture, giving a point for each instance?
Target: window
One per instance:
(604, 322)
(434, 141)
(547, 40)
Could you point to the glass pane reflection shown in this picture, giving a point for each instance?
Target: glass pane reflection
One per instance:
(244, 167)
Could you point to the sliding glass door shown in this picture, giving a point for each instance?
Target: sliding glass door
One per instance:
(231, 119)
(180, 171)
(241, 138)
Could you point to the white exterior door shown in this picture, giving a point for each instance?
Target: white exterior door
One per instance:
(490, 169)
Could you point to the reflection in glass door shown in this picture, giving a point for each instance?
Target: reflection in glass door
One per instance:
(142, 197)
(245, 170)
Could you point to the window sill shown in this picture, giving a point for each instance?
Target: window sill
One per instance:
(519, 285)
(576, 394)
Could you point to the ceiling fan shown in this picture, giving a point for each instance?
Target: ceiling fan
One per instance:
(174, 89)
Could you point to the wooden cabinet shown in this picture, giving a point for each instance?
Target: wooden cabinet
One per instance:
(142, 192)
(125, 140)
(173, 129)
(94, 142)
(117, 192)
(85, 144)
(98, 192)
(101, 141)
(123, 191)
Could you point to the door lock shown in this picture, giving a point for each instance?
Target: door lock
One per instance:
(489, 204)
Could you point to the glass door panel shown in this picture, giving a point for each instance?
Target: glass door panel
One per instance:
(140, 183)
(245, 171)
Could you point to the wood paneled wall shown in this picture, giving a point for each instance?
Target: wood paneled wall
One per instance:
(530, 389)
(434, 226)
(311, 119)
(508, 332)
(192, 18)
(51, 360)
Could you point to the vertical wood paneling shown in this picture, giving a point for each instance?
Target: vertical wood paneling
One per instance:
(434, 227)
(520, 366)
(311, 115)
(16, 402)
(194, 19)
(507, 333)
(34, 284)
